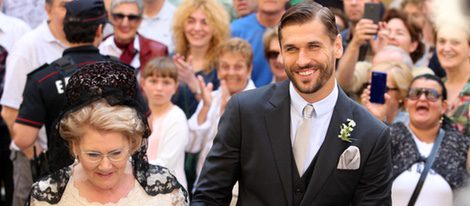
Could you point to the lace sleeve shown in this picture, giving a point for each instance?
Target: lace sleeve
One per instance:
(158, 180)
(50, 188)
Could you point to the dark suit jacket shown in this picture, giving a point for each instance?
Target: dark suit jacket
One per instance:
(253, 147)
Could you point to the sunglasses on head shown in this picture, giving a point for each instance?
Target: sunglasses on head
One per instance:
(272, 54)
(130, 17)
(430, 94)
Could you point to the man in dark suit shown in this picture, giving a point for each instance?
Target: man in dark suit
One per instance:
(345, 159)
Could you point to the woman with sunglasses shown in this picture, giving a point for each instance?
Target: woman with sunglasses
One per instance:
(398, 78)
(106, 131)
(413, 144)
(271, 52)
(126, 44)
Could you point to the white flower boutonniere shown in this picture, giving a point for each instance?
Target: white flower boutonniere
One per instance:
(346, 130)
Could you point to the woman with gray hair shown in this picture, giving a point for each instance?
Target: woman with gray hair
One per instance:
(126, 44)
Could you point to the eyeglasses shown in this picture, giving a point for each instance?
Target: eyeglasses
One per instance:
(96, 157)
(272, 55)
(430, 94)
(132, 18)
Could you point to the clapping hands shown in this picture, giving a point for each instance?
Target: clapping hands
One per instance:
(186, 72)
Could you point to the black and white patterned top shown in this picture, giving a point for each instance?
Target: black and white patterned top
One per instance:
(451, 158)
(155, 181)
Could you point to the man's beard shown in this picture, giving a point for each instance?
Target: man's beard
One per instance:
(325, 74)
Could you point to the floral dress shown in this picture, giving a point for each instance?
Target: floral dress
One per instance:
(459, 111)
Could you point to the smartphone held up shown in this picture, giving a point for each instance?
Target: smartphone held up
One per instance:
(373, 12)
(378, 87)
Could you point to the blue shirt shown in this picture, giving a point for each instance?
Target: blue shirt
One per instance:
(249, 29)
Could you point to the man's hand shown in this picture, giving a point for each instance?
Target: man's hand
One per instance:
(364, 31)
(29, 152)
(9, 115)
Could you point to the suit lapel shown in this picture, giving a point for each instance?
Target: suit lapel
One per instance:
(277, 118)
(331, 149)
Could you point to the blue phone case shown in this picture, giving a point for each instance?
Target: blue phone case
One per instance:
(378, 87)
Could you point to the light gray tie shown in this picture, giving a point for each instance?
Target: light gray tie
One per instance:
(301, 142)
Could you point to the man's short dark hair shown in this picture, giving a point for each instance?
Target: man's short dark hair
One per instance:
(308, 11)
(78, 32)
(82, 19)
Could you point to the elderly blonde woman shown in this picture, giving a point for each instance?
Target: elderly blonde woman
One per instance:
(106, 132)
(398, 79)
(126, 44)
(199, 26)
(453, 49)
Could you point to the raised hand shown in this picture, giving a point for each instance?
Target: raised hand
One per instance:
(364, 31)
(383, 38)
(186, 72)
(378, 110)
(206, 97)
(225, 95)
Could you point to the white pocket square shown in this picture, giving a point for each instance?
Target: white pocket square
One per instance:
(350, 159)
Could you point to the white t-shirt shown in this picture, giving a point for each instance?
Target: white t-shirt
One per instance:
(34, 49)
(435, 191)
(158, 28)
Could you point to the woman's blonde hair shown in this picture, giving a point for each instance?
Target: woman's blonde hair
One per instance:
(217, 18)
(101, 116)
(400, 73)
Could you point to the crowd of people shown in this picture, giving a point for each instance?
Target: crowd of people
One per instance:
(207, 102)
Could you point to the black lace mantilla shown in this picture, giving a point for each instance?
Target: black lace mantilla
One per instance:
(451, 158)
(156, 180)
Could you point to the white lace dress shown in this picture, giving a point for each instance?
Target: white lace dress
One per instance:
(161, 189)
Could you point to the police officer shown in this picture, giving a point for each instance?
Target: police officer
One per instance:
(43, 96)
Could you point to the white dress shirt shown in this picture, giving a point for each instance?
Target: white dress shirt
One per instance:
(158, 28)
(323, 110)
(34, 49)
